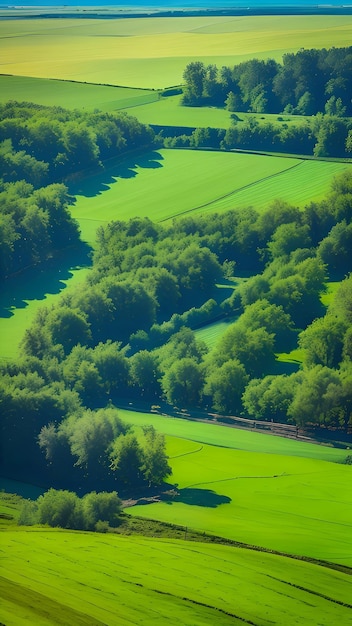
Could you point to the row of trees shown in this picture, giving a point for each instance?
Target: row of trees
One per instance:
(322, 136)
(307, 82)
(39, 147)
(64, 509)
(64, 141)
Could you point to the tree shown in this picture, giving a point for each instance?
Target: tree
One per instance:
(145, 373)
(68, 327)
(90, 437)
(269, 398)
(334, 106)
(225, 386)
(194, 76)
(233, 101)
(126, 460)
(322, 341)
(182, 384)
(60, 508)
(101, 507)
(253, 348)
(335, 249)
(331, 135)
(155, 466)
(113, 367)
(272, 318)
(287, 238)
(306, 104)
(312, 402)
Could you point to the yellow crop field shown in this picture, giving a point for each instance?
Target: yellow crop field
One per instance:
(153, 52)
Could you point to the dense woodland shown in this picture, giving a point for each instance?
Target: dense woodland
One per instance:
(40, 148)
(128, 333)
(307, 82)
(312, 83)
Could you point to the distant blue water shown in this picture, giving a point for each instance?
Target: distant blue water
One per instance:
(182, 4)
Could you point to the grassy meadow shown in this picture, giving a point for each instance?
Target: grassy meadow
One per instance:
(153, 52)
(254, 487)
(168, 111)
(90, 579)
(170, 183)
(71, 95)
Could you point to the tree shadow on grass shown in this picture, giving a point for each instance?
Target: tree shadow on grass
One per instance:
(94, 184)
(198, 497)
(45, 278)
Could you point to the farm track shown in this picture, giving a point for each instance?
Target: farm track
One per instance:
(232, 193)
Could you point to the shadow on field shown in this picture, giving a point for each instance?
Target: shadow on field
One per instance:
(95, 184)
(199, 497)
(43, 279)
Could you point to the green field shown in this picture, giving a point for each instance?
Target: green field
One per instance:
(153, 52)
(170, 183)
(233, 438)
(255, 488)
(89, 579)
(150, 186)
(168, 111)
(71, 95)
(259, 489)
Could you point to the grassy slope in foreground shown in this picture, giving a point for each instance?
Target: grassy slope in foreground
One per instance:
(153, 52)
(90, 579)
(168, 183)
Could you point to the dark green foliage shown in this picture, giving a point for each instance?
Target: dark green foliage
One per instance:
(183, 382)
(225, 386)
(64, 509)
(114, 339)
(269, 398)
(306, 82)
(34, 224)
(42, 145)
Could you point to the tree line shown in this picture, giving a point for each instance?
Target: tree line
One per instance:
(40, 147)
(129, 332)
(305, 83)
(320, 136)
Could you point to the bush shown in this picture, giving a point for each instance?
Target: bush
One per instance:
(64, 509)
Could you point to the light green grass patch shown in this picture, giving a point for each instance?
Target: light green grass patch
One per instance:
(211, 333)
(169, 183)
(168, 111)
(71, 95)
(22, 296)
(295, 505)
(295, 356)
(227, 437)
(153, 52)
(331, 288)
(84, 578)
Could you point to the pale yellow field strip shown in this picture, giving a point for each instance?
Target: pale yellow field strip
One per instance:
(153, 52)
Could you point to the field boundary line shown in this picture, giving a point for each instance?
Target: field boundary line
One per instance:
(233, 192)
(314, 593)
(177, 456)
